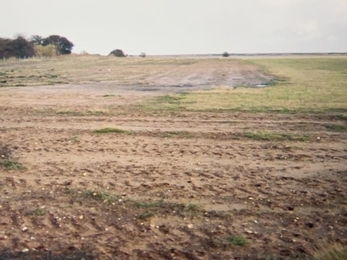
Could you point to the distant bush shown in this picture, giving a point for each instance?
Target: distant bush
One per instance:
(37, 45)
(45, 51)
(117, 53)
(18, 48)
(63, 45)
(225, 54)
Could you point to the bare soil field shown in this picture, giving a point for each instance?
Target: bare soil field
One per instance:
(88, 173)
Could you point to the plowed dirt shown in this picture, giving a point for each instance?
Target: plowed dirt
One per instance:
(189, 185)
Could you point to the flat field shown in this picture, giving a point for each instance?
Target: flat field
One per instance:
(173, 158)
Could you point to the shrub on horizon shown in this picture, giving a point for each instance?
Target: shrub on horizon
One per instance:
(225, 54)
(117, 53)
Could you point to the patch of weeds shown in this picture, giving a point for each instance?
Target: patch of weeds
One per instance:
(98, 112)
(336, 128)
(84, 113)
(158, 204)
(104, 197)
(146, 215)
(177, 134)
(70, 192)
(7, 160)
(169, 99)
(100, 196)
(109, 95)
(167, 103)
(112, 130)
(51, 76)
(270, 136)
(341, 116)
(39, 212)
(74, 139)
(330, 252)
(149, 204)
(236, 241)
(192, 207)
(278, 80)
(70, 113)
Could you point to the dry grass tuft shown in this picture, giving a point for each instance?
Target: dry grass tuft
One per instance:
(333, 251)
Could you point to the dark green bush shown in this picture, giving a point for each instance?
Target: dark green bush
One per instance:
(117, 53)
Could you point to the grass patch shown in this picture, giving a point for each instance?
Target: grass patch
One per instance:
(146, 215)
(270, 136)
(101, 112)
(187, 210)
(74, 139)
(192, 207)
(170, 99)
(336, 128)
(39, 212)
(236, 241)
(99, 196)
(102, 196)
(7, 160)
(177, 134)
(166, 103)
(330, 252)
(341, 116)
(11, 164)
(108, 130)
(300, 85)
(155, 204)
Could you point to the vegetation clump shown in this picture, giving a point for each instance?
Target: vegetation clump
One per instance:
(112, 130)
(271, 136)
(17, 48)
(225, 54)
(7, 160)
(237, 241)
(62, 44)
(22, 48)
(117, 53)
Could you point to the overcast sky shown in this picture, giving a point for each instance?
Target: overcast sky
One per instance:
(183, 26)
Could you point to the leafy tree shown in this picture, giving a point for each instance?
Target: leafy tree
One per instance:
(63, 45)
(117, 53)
(4, 48)
(36, 39)
(19, 48)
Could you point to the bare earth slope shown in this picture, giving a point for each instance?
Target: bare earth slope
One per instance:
(188, 185)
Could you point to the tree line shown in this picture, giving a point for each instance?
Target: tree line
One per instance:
(35, 46)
